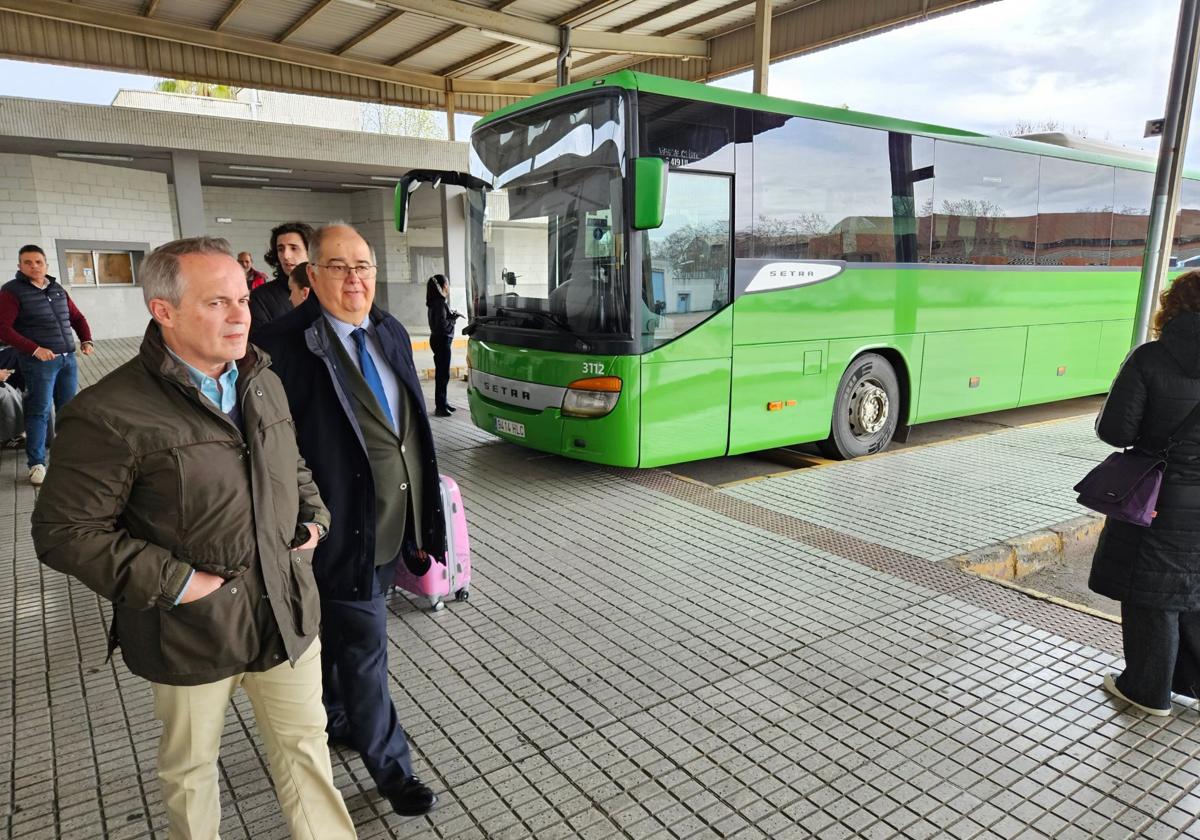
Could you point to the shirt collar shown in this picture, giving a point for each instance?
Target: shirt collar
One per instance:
(343, 329)
(223, 397)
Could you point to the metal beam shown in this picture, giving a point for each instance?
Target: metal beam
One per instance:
(374, 28)
(528, 65)
(224, 42)
(478, 58)
(1181, 94)
(233, 7)
(534, 33)
(762, 44)
(442, 36)
(150, 8)
(305, 18)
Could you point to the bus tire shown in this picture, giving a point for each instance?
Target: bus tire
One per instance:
(866, 409)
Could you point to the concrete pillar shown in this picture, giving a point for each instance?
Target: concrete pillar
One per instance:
(189, 200)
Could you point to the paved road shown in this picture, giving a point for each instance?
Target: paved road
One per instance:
(647, 657)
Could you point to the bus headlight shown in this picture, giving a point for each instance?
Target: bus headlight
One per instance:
(593, 397)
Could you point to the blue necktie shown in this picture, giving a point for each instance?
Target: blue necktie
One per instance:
(371, 373)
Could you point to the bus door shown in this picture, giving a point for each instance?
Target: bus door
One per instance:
(686, 324)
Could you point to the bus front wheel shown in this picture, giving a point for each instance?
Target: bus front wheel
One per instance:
(866, 409)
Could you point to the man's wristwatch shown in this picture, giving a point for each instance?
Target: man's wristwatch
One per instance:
(301, 535)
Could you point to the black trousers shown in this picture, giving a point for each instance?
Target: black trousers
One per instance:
(1162, 655)
(356, 690)
(440, 345)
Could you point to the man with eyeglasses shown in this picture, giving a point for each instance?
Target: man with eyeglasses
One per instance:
(348, 372)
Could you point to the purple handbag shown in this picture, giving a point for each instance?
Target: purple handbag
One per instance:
(1125, 485)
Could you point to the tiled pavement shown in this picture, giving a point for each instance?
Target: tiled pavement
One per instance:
(643, 657)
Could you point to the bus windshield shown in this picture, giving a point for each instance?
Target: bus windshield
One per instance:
(548, 254)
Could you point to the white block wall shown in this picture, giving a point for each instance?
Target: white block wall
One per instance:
(254, 212)
(49, 199)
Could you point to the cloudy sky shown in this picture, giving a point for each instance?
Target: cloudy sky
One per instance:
(1100, 66)
(1097, 65)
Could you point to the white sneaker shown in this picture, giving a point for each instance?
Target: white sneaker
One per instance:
(1110, 685)
(37, 474)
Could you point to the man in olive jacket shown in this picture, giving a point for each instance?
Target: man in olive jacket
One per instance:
(179, 494)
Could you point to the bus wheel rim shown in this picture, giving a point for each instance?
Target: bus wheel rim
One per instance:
(869, 408)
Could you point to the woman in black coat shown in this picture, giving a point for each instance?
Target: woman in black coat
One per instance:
(441, 335)
(1155, 572)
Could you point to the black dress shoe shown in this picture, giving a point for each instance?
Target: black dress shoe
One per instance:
(451, 408)
(441, 412)
(410, 798)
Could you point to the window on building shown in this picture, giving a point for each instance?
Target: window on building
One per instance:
(1075, 213)
(822, 191)
(96, 267)
(984, 206)
(1131, 217)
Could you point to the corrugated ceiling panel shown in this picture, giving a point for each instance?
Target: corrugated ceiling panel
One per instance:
(266, 18)
(132, 7)
(406, 33)
(333, 26)
(543, 10)
(202, 13)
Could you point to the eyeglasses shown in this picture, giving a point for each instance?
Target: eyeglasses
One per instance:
(364, 272)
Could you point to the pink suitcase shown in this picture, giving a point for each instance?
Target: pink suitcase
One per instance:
(454, 578)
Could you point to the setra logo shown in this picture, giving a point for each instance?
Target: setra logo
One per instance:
(506, 392)
(787, 275)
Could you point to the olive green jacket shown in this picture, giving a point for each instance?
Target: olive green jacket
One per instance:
(149, 480)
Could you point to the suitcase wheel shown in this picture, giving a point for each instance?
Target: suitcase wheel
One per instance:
(462, 594)
(436, 604)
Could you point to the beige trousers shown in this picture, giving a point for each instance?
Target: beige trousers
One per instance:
(291, 721)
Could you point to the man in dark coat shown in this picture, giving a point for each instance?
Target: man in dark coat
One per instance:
(347, 368)
(289, 248)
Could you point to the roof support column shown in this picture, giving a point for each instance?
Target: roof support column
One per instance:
(762, 44)
(189, 200)
(1165, 202)
(450, 110)
(564, 56)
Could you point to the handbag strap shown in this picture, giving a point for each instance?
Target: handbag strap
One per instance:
(1186, 425)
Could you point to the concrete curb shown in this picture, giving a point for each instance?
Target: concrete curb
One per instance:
(456, 372)
(1014, 558)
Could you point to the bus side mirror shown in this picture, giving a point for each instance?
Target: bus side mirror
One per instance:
(649, 192)
(400, 205)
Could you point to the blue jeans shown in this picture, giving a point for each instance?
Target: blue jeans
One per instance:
(47, 383)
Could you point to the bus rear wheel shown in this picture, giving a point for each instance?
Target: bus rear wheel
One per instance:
(866, 409)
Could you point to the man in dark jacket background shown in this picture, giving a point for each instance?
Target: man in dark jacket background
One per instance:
(289, 248)
(36, 318)
(348, 371)
(178, 493)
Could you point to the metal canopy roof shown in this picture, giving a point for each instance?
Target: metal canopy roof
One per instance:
(465, 55)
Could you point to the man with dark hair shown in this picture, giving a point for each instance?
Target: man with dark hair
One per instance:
(289, 248)
(348, 371)
(36, 319)
(178, 493)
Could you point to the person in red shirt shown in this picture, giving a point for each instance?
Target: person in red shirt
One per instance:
(254, 277)
(36, 319)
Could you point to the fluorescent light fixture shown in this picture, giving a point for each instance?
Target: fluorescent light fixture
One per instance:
(248, 168)
(258, 178)
(366, 4)
(366, 186)
(288, 189)
(93, 156)
(393, 179)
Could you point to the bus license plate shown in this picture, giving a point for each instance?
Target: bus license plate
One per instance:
(510, 428)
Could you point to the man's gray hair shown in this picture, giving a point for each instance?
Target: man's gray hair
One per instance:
(317, 240)
(159, 272)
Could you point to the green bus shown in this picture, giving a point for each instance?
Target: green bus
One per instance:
(661, 271)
